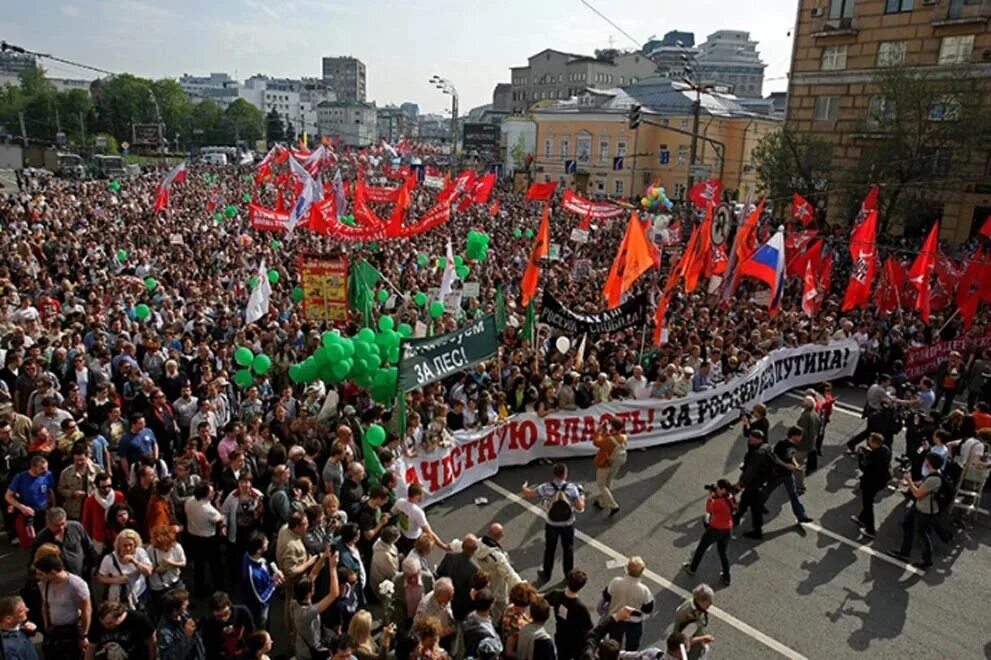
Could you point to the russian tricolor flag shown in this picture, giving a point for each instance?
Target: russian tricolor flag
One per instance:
(767, 264)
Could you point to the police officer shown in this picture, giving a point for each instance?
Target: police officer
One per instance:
(758, 467)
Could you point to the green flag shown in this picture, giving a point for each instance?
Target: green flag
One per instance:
(500, 311)
(530, 325)
(364, 277)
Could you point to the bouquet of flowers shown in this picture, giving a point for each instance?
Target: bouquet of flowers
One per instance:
(386, 590)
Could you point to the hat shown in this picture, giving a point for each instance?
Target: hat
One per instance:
(349, 410)
(490, 647)
(688, 371)
(756, 433)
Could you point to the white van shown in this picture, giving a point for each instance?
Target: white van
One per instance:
(215, 159)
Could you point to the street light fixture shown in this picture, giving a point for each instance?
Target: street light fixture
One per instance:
(447, 87)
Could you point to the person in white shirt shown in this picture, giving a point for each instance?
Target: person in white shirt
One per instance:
(125, 570)
(629, 591)
(202, 519)
(638, 385)
(412, 521)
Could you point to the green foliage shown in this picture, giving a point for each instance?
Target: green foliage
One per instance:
(787, 162)
(275, 131)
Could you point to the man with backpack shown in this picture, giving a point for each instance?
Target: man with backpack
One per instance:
(921, 513)
(563, 500)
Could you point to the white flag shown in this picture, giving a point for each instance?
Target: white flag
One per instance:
(258, 302)
(447, 280)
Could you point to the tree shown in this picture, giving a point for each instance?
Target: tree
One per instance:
(273, 127)
(76, 113)
(518, 152)
(787, 162)
(175, 106)
(122, 101)
(290, 132)
(206, 124)
(921, 127)
(243, 121)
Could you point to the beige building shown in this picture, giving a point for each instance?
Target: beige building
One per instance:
(839, 47)
(587, 142)
(554, 75)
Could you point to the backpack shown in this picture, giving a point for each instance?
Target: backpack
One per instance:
(944, 495)
(560, 510)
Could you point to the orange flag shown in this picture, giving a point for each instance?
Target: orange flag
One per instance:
(662, 308)
(634, 258)
(678, 271)
(541, 248)
(395, 226)
(703, 252)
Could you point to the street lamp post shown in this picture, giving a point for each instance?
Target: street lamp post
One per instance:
(447, 87)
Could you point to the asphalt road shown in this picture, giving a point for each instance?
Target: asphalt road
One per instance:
(810, 591)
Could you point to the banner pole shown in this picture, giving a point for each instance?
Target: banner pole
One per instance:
(948, 321)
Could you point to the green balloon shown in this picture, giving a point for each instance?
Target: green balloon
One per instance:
(335, 353)
(347, 345)
(382, 295)
(375, 435)
(462, 271)
(297, 293)
(114, 186)
(261, 364)
(142, 311)
(405, 330)
(246, 197)
(436, 309)
(230, 211)
(528, 233)
(366, 335)
(394, 355)
(295, 373)
(422, 260)
(442, 262)
(340, 370)
(275, 245)
(151, 283)
(321, 357)
(517, 233)
(459, 260)
(386, 323)
(122, 255)
(273, 276)
(252, 282)
(329, 339)
(218, 217)
(243, 356)
(242, 378)
(420, 299)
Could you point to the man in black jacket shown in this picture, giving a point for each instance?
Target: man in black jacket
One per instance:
(758, 467)
(875, 469)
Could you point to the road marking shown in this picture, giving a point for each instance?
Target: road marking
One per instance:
(866, 549)
(837, 406)
(664, 583)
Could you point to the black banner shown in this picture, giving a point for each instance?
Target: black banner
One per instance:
(434, 358)
(632, 312)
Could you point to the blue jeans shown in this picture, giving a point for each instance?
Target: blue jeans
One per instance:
(796, 504)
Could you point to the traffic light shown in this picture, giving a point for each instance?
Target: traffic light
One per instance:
(635, 116)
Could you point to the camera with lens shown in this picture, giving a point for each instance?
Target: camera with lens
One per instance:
(722, 483)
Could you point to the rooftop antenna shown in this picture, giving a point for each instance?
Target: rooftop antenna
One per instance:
(612, 40)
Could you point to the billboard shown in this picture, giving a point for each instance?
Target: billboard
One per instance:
(146, 135)
(483, 137)
(325, 289)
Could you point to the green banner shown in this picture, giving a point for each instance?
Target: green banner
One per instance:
(427, 360)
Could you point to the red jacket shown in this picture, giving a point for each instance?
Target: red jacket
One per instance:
(94, 518)
(720, 510)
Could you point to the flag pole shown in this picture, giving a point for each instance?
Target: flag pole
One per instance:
(643, 341)
(953, 316)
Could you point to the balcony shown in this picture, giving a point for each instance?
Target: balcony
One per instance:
(960, 13)
(833, 27)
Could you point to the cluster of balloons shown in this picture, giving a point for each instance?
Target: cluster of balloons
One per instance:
(369, 359)
(259, 364)
(436, 309)
(478, 246)
(655, 198)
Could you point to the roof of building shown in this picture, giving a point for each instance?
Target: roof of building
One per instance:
(346, 104)
(668, 98)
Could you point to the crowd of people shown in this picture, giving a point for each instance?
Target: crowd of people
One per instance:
(141, 479)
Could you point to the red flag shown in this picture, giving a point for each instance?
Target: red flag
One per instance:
(176, 175)
(678, 270)
(920, 275)
(948, 274)
(706, 192)
(700, 262)
(662, 308)
(720, 260)
(812, 255)
(633, 258)
(975, 287)
(986, 228)
(802, 210)
(541, 191)
(796, 244)
(363, 213)
(494, 209)
(483, 188)
(745, 243)
(869, 204)
(398, 213)
(888, 296)
(541, 248)
(863, 253)
(825, 274)
(809, 292)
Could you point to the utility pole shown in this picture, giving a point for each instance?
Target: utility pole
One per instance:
(82, 129)
(635, 117)
(696, 111)
(24, 131)
(58, 122)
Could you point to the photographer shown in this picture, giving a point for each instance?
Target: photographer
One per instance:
(719, 509)
(875, 472)
(755, 420)
(921, 513)
(882, 420)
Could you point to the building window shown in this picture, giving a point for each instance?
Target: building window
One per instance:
(679, 191)
(618, 186)
(827, 108)
(956, 50)
(584, 148)
(621, 147)
(946, 108)
(833, 58)
(891, 53)
(937, 161)
(547, 148)
(684, 124)
(682, 154)
(896, 6)
(603, 151)
(565, 149)
(840, 9)
(880, 112)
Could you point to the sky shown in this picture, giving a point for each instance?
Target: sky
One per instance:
(473, 43)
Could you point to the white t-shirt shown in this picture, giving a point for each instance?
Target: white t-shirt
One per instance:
(202, 518)
(412, 521)
(170, 577)
(136, 582)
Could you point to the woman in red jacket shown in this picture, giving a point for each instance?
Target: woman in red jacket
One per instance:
(96, 508)
(719, 510)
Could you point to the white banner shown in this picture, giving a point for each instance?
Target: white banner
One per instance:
(478, 455)
(434, 182)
